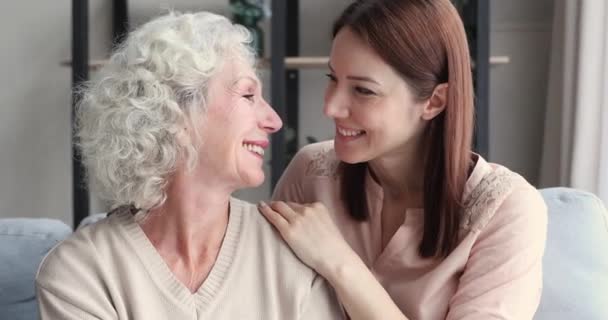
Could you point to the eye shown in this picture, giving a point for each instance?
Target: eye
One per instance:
(364, 91)
(331, 77)
(250, 97)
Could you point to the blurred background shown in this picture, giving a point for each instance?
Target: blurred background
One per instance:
(542, 88)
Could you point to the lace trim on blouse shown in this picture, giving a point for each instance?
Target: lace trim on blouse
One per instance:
(486, 198)
(479, 206)
(323, 164)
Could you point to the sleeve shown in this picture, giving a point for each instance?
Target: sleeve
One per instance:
(68, 284)
(503, 276)
(322, 303)
(53, 307)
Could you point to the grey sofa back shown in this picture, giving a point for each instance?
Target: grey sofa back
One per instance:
(575, 264)
(23, 244)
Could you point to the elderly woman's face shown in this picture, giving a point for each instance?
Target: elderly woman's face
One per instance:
(237, 127)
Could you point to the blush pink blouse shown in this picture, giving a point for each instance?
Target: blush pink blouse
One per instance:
(495, 272)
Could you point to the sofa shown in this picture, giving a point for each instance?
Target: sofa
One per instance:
(23, 244)
(575, 261)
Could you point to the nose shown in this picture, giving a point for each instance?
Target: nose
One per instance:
(271, 122)
(335, 104)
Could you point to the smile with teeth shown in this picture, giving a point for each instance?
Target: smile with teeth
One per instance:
(254, 148)
(350, 133)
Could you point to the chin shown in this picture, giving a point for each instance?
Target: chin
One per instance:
(257, 182)
(348, 156)
(254, 180)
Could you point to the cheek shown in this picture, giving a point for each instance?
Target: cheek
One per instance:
(369, 118)
(404, 126)
(386, 122)
(232, 122)
(219, 138)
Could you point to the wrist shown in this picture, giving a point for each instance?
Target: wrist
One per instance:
(343, 269)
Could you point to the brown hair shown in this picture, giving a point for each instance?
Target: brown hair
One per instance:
(425, 42)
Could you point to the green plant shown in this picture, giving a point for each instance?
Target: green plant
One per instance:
(248, 13)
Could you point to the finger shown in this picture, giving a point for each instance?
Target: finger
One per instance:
(282, 208)
(272, 216)
(295, 206)
(317, 205)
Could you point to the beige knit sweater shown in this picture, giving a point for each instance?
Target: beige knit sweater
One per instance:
(110, 270)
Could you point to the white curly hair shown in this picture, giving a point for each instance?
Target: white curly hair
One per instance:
(155, 85)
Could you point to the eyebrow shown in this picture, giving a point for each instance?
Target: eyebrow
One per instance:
(355, 77)
(256, 82)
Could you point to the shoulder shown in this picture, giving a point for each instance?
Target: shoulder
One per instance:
(282, 271)
(257, 230)
(317, 159)
(315, 167)
(503, 197)
(524, 206)
(76, 258)
(264, 242)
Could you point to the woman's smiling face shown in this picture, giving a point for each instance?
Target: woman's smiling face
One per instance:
(236, 127)
(374, 110)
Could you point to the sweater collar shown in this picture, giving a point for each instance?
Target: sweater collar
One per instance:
(162, 275)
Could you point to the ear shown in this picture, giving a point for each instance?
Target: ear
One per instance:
(436, 103)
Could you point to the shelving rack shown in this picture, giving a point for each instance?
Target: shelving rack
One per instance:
(80, 74)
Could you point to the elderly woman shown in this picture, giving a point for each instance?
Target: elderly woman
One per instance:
(175, 124)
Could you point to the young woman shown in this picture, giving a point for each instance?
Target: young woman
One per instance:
(398, 213)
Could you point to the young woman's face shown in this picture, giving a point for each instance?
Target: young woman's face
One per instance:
(237, 126)
(374, 110)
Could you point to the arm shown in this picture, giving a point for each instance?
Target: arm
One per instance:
(324, 249)
(52, 306)
(361, 294)
(68, 285)
(321, 302)
(503, 276)
(312, 235)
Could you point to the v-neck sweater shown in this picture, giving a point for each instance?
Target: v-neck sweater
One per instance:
(111, 270)
(495, 271)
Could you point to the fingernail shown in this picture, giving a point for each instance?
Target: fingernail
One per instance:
(263, 204)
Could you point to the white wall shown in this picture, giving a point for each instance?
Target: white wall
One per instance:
(520, 29)
(35, 109)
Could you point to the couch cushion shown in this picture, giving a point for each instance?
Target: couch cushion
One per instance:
(23, 244)
(576, 257)
(92, 219)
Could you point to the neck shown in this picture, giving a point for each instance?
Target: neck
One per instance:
(191, 224)
(400, 173)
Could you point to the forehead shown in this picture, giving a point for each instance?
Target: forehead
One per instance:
(231, 80)
(350, 53)
(234, 70)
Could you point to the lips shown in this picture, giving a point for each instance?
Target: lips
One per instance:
(256, 147)
(347, 132)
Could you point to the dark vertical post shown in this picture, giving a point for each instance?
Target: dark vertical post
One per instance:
(482, 75)
(120, 21)
(80, 74)
(278, 25)
(292, 42)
